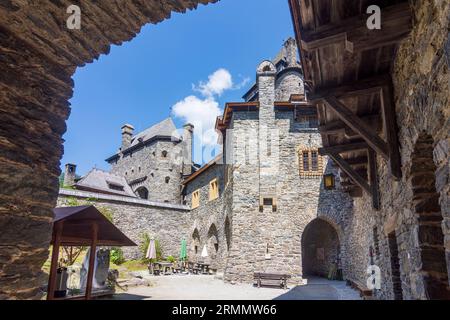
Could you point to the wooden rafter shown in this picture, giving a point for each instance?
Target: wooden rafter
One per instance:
(354, 122)
(353, 174)
(391, 129)
(343, 148)
(373, 178)
(354, 34)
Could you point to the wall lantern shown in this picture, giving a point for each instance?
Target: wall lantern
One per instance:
(328, 182)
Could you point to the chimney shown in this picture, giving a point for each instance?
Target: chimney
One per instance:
(188, 134)
(70, 174)
(127, 134)
(291, 52)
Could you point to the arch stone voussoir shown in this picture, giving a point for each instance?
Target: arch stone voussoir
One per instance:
(39, 56)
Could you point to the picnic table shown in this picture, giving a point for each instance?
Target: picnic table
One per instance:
(164, 266)
(204, 267)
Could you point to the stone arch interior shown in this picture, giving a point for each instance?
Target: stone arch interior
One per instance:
(213, 239)
(428, 212)
(195, 243)
(320, 249)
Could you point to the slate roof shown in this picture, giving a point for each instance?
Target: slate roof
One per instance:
(165, 128)
(104, 182)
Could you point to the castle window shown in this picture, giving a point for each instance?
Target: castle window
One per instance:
(267, 201)
(195, 199)
(115, 186)
(164, 154)
(305, 157)
(167, 179)
(310, 163)
(213, 190)
(314, 161)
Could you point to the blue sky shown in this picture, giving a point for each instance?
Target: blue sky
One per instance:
(204, 58)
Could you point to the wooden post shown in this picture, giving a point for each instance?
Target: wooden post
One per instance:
(373, 176)
(92, 254)
(57, 231)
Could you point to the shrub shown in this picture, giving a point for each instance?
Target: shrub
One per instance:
(116, 256)
(171, 259)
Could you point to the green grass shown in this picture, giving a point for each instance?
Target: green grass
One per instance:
(131, 265)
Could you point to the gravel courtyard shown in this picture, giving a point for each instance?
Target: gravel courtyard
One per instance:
(201, 287)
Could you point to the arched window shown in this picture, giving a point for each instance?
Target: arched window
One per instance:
(164, 154)
(167, 179)
(142, 193)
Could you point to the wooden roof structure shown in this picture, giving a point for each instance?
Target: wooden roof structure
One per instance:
(347, 76)
(82, 226)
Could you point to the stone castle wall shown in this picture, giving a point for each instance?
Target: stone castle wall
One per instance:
(415, 209)
(167, 223)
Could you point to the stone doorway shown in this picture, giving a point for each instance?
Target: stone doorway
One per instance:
(395, 267)
(320, 249)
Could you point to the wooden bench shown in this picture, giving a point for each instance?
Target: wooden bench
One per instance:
(364, 292)
(271, 279)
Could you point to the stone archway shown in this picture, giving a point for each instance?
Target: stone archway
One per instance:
(320, 248)
(432, 264)
(142, 192)
(195, 245)
(212, 243)
(39, 57)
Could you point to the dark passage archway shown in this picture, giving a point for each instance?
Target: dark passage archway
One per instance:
(320, 248)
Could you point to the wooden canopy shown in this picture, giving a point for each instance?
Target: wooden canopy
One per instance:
(77, 228)
(347, 76)
(82, 226)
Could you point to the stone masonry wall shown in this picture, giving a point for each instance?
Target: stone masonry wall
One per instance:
(208, 214)
(421, 82)
(299, 202)
(166, 223)
(148, 161)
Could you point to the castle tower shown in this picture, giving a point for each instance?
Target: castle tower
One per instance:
(70, 174)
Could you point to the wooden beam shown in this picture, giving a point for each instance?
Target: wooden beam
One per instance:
(350, 172)
(391, 129)
(353, 32)
(57, 231)
(357, 161)
(342, 148)
(92, 254)
(355, 123)
(373, 178)
(338, 126)
(367, 86)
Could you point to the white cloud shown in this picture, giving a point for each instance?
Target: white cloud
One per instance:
(202, 113)
(218, 82)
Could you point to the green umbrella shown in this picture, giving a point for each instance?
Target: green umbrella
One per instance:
(183, 252)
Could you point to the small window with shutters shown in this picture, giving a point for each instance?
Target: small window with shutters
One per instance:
(310, 163)
(195, 199)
